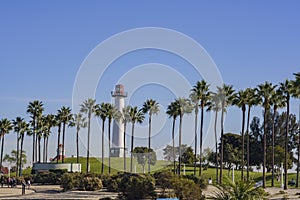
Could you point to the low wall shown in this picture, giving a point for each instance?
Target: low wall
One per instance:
(71, 167)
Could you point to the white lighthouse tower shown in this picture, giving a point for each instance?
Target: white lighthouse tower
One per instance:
(117, 149)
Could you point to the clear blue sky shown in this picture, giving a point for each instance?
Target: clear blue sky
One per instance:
(43, 43)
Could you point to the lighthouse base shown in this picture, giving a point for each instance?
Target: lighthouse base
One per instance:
(117, 152)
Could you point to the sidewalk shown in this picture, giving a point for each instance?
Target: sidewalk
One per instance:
(15, 191)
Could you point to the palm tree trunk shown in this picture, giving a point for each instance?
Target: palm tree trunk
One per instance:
(21, 156)
(196, 139)
(77, 145)
(124, 153)
(58, 141)
(222, 144)
(46, 154)
(248, 143)
(63, 142)
(243, 142)
(39, 148)
(265, 147)
(216, 144)
(298, 160)
(201, 138)
(44, 149)
(88, 143)
(2, 145)
(33, 139)
(173, 142)
(149, 143)
(17, 160)
(102, 160)
(109, 124)
(131, 155)
(273, 145)
(286, 141)
(180, 127)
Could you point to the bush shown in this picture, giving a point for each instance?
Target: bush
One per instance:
(187, 189)
(165, 180)
(136, 186)
(90, 184)
(69, 181)
(47, 178)
(199, 181)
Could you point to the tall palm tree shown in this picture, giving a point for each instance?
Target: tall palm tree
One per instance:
(240, 100)
(200, 92)
(35, 109)
(265, 92)
(252, 100)
(88, 107)
(102, 113)
(16, 125)
(152, 107)
(41, 128)
(184, 106)
(296, 86)
(66, 117)
(215, 105)
(136, 116)
(24, 128)
(286, 89)
(277, 101)
(111, 112)
(226, 95)
(50, 122)
(5, 128)
(173, 113)
(125, 119)
(58, 120)
(79, 122)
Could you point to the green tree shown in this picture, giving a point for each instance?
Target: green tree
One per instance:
(58, 120)
(66, 117)
(79, 122)
(200, 92)
(296, 84)
(16, 125)
(172, 112)
(5, 128)
(14, 158)
(111, 113)
(49, 122)
(35, 109)
(24, 128)
(136, 116)
(125, 117)
(152, 107)
(188, 156)
(183, 106)
(226, 95)
(102, 113)
(144, 155)
(215, 105)
(88, 107)
(240, 100)
(265, 92)
(286, 89)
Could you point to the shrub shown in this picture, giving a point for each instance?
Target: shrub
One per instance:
(47, 178)
(199, 181)
(136, 186)
(69, 181)
(90, 184)
(164, 179)
(187, 189)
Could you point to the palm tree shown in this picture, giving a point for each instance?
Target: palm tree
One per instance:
(136, 116)
(5, 128)
(200, 92)
(111, 112)
(251, 101)
(296, 86)
(226, 95)
(215, 105)
(102, 113)
(265, 91)
(172, 111)
(125, 119)
(240, 100)
(58, 120)
(184, 106)
(277, 101)
(66, 117)
(24, 128)
(16, 125)
(152, 107)
(88, 107)
(35, 109)
(50, 122)
(286, 89)
(79, 122)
